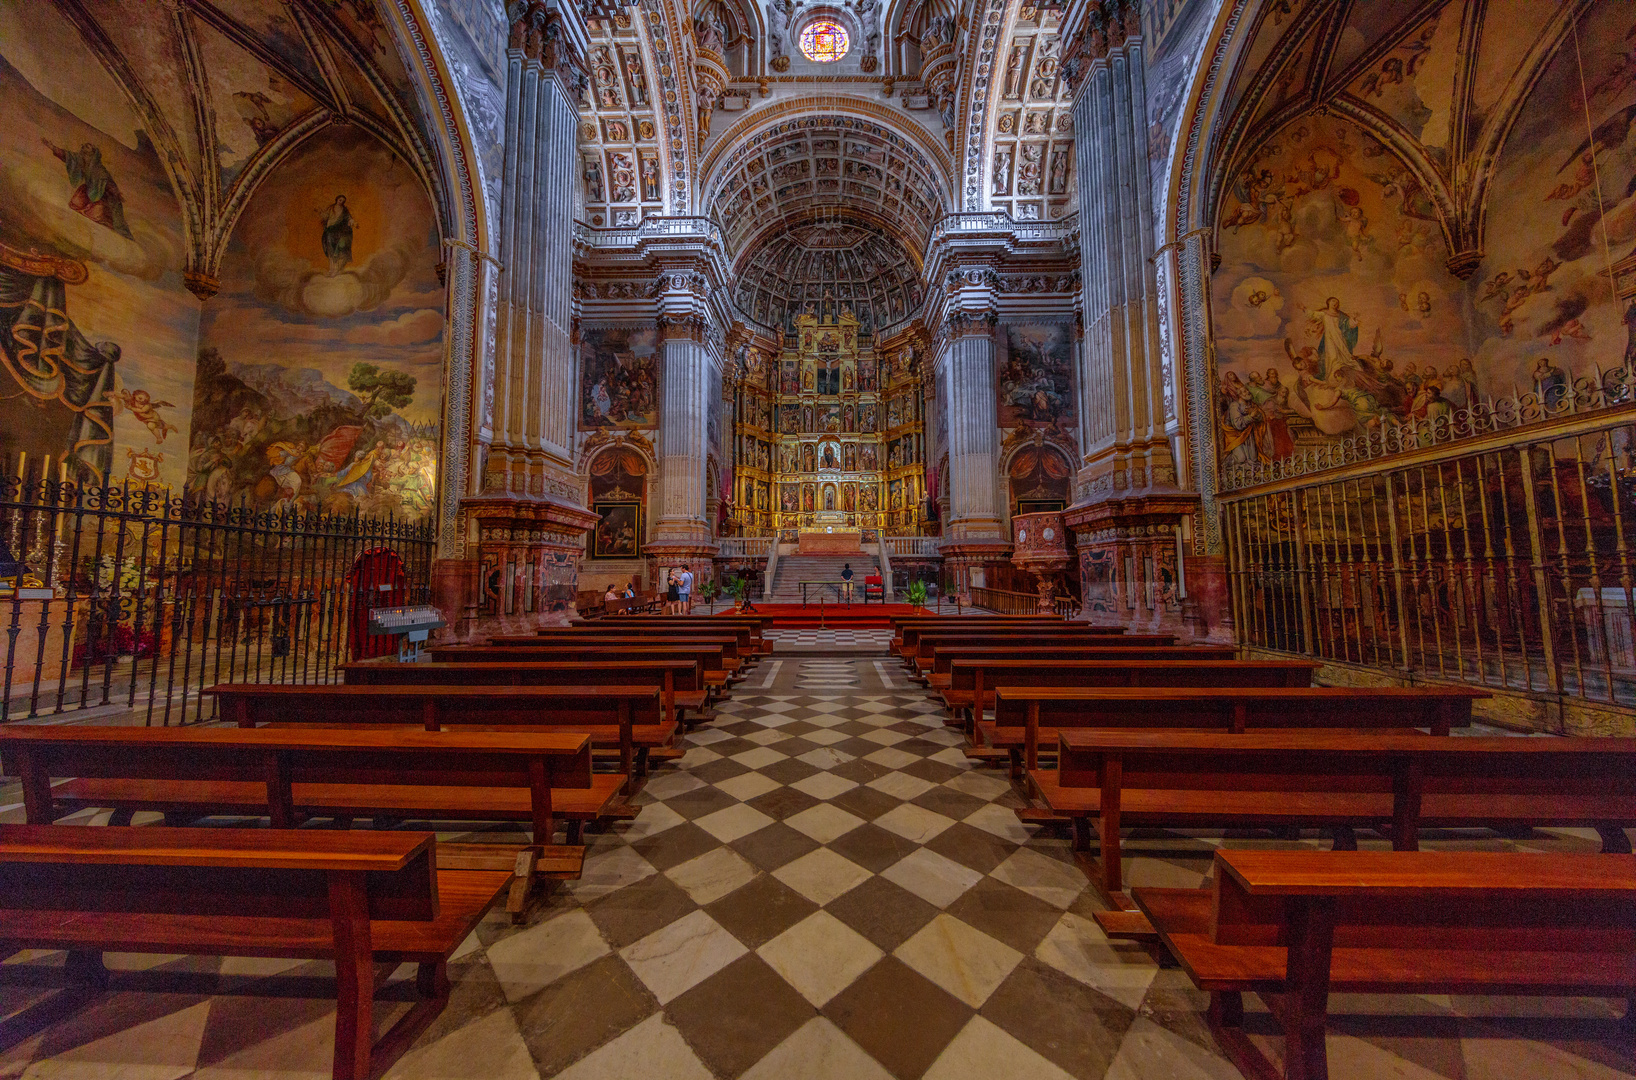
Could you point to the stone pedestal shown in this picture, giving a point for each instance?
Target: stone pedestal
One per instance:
(527, 566)
(960, 559)
(665, 556)
(1129, 562)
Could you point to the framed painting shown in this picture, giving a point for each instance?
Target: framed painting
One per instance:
(618, 533)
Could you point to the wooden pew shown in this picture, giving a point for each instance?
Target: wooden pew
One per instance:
(709, 657)
(1295, 926)
(971, 683)
(904, 643)
(732, 661)
(606, 713)
(1399, 782)
(941, 674)
(355, 898)
(906, 629)
(922, 661)
(758, 624)
(744, 634)
(926, 645)
(287, 774)
(1025, 715)
(682, 680)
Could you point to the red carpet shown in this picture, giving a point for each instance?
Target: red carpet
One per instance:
(835, 616)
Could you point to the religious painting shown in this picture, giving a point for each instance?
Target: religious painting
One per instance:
(618, 378)
(1337, 315)
(806, 419)
(869, 498)
(868, 457)
(866, 376)
(320, 363)
(789, 498)
(848, 377)
(849, 454)
(849, 497)
(808, 497)
(829, 497)
(830, 457)
(809, 377)
(790, 383)
(618, 533)
(808, 458)
(1035, 376)
(867, 418)
(96, 332)
(894, 413)
(848, 418)
(895, 490)
(830, 416)
(789, 418)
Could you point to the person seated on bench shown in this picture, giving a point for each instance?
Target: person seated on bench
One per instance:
(612, 593)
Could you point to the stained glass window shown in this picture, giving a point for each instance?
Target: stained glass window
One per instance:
(824, 40)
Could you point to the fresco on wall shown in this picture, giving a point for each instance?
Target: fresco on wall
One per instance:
(1334, 309)
(96, 330)
(1035, 376)
(1562, 222)
(320, 362)
(617, 378)
(1334, 306)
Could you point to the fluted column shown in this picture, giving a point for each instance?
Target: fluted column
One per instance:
(1129, 513)
(689, 378)
(533, 399)
(528, 516)
(965, 372)
(1126, 398)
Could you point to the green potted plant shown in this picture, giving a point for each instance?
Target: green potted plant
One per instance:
(708, 591)
(917, 593)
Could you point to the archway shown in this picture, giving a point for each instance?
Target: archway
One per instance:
(1040, 479)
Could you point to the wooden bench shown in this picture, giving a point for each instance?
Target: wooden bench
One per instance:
(969, 683)
(1027, 715)
(682, 680)
(709, 657)
(1399, 783)
(927, 645)
(758, 625)
(606, 713)
(745, 635)
(354, 898)
(288, 774)
(1295, 926)
(731, 666)
(906, 629)
(905, 644)
(941, 674)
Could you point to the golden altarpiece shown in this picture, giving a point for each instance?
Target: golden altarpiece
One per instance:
(829, 435)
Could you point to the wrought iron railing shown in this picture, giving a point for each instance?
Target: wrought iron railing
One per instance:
(128, 598)
(1388, 435)
(1510, 564)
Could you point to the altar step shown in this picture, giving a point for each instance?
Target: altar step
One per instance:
(794, 569)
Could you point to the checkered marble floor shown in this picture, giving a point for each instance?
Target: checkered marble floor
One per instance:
(815, 640)
(823, 887)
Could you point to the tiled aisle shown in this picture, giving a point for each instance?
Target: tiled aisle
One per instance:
(823, 889)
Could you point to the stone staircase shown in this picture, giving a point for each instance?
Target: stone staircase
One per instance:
(794, 569)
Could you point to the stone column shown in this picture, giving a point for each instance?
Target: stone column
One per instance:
(1128, 506)
(528, 513)
(1124, 388)
(975, 533)
(690, 376)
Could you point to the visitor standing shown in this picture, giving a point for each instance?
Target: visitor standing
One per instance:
(687, 591)
(672, 594)
(846, 576)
